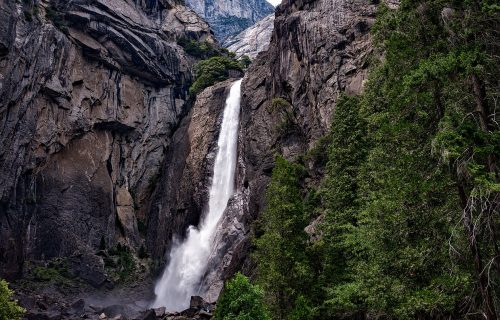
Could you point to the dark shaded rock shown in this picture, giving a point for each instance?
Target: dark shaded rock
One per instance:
(90, 96)
(88, 267)
(148, 315)
(199, 303)
(190, 313)
(77, 307)
(45, 315)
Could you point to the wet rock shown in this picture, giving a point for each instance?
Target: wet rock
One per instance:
(115, 310)
(160, 312)
(76, 309)
(199, 303)
(148, 315)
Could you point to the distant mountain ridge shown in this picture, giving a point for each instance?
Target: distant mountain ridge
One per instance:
(230, 17)
(252, 40)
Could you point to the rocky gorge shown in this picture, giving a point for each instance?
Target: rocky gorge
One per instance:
(105, 156)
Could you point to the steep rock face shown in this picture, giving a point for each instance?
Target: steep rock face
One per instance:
(319, 50)
(252, 40)
(228, 17)
(182, 193)
(88, 104)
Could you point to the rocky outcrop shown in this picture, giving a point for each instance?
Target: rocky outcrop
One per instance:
(91, 93)
(252, 40)
(228, 17)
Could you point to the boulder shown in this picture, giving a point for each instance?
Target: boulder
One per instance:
(88, 267)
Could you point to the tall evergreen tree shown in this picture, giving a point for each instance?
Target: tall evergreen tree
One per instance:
(283, 270)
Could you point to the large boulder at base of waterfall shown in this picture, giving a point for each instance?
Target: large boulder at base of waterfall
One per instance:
(148, 315)
(199, 303)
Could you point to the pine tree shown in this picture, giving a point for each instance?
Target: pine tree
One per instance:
(283, 270)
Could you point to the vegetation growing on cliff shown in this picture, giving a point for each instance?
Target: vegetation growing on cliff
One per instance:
(9, 309)
(411, 197)
(213, 70)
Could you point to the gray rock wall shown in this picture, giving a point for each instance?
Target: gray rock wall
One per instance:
(91, 93)
(252, 40)
(230, 17)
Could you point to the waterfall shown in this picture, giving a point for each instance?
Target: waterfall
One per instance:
(188, 259)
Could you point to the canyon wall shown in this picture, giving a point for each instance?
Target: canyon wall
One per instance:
(228, 17)
(319, 50)
(91, 93)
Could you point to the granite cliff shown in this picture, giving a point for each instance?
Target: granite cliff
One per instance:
(91, 94)
(227, 17)
(252, 40)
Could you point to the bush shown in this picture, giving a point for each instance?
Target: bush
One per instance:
(9, 309)
(122, 263)
(197, 49)
(245, 61)
(212, 70)
(241, 300)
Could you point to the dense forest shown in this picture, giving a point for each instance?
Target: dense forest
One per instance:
(407, 214)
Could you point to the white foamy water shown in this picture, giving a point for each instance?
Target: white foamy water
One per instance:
(188, 259)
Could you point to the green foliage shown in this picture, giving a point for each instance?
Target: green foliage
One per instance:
(121, 265)
(283, 267)
(289, 122)
(213, 70)
(411, 195)
(55, 271)
(245, 61)
(202, 50)
(9, 309)
(240, 300)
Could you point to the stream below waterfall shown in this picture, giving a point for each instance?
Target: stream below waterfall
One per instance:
(188, 258)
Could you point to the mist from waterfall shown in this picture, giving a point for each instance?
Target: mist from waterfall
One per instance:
(188, 259)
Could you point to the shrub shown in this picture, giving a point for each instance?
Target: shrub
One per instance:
(197, 49)
(241, 300)
(245, 61)
(9, 309)
(211, 71)
(123, 264)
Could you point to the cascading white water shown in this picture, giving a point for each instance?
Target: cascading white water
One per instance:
(188, 259)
